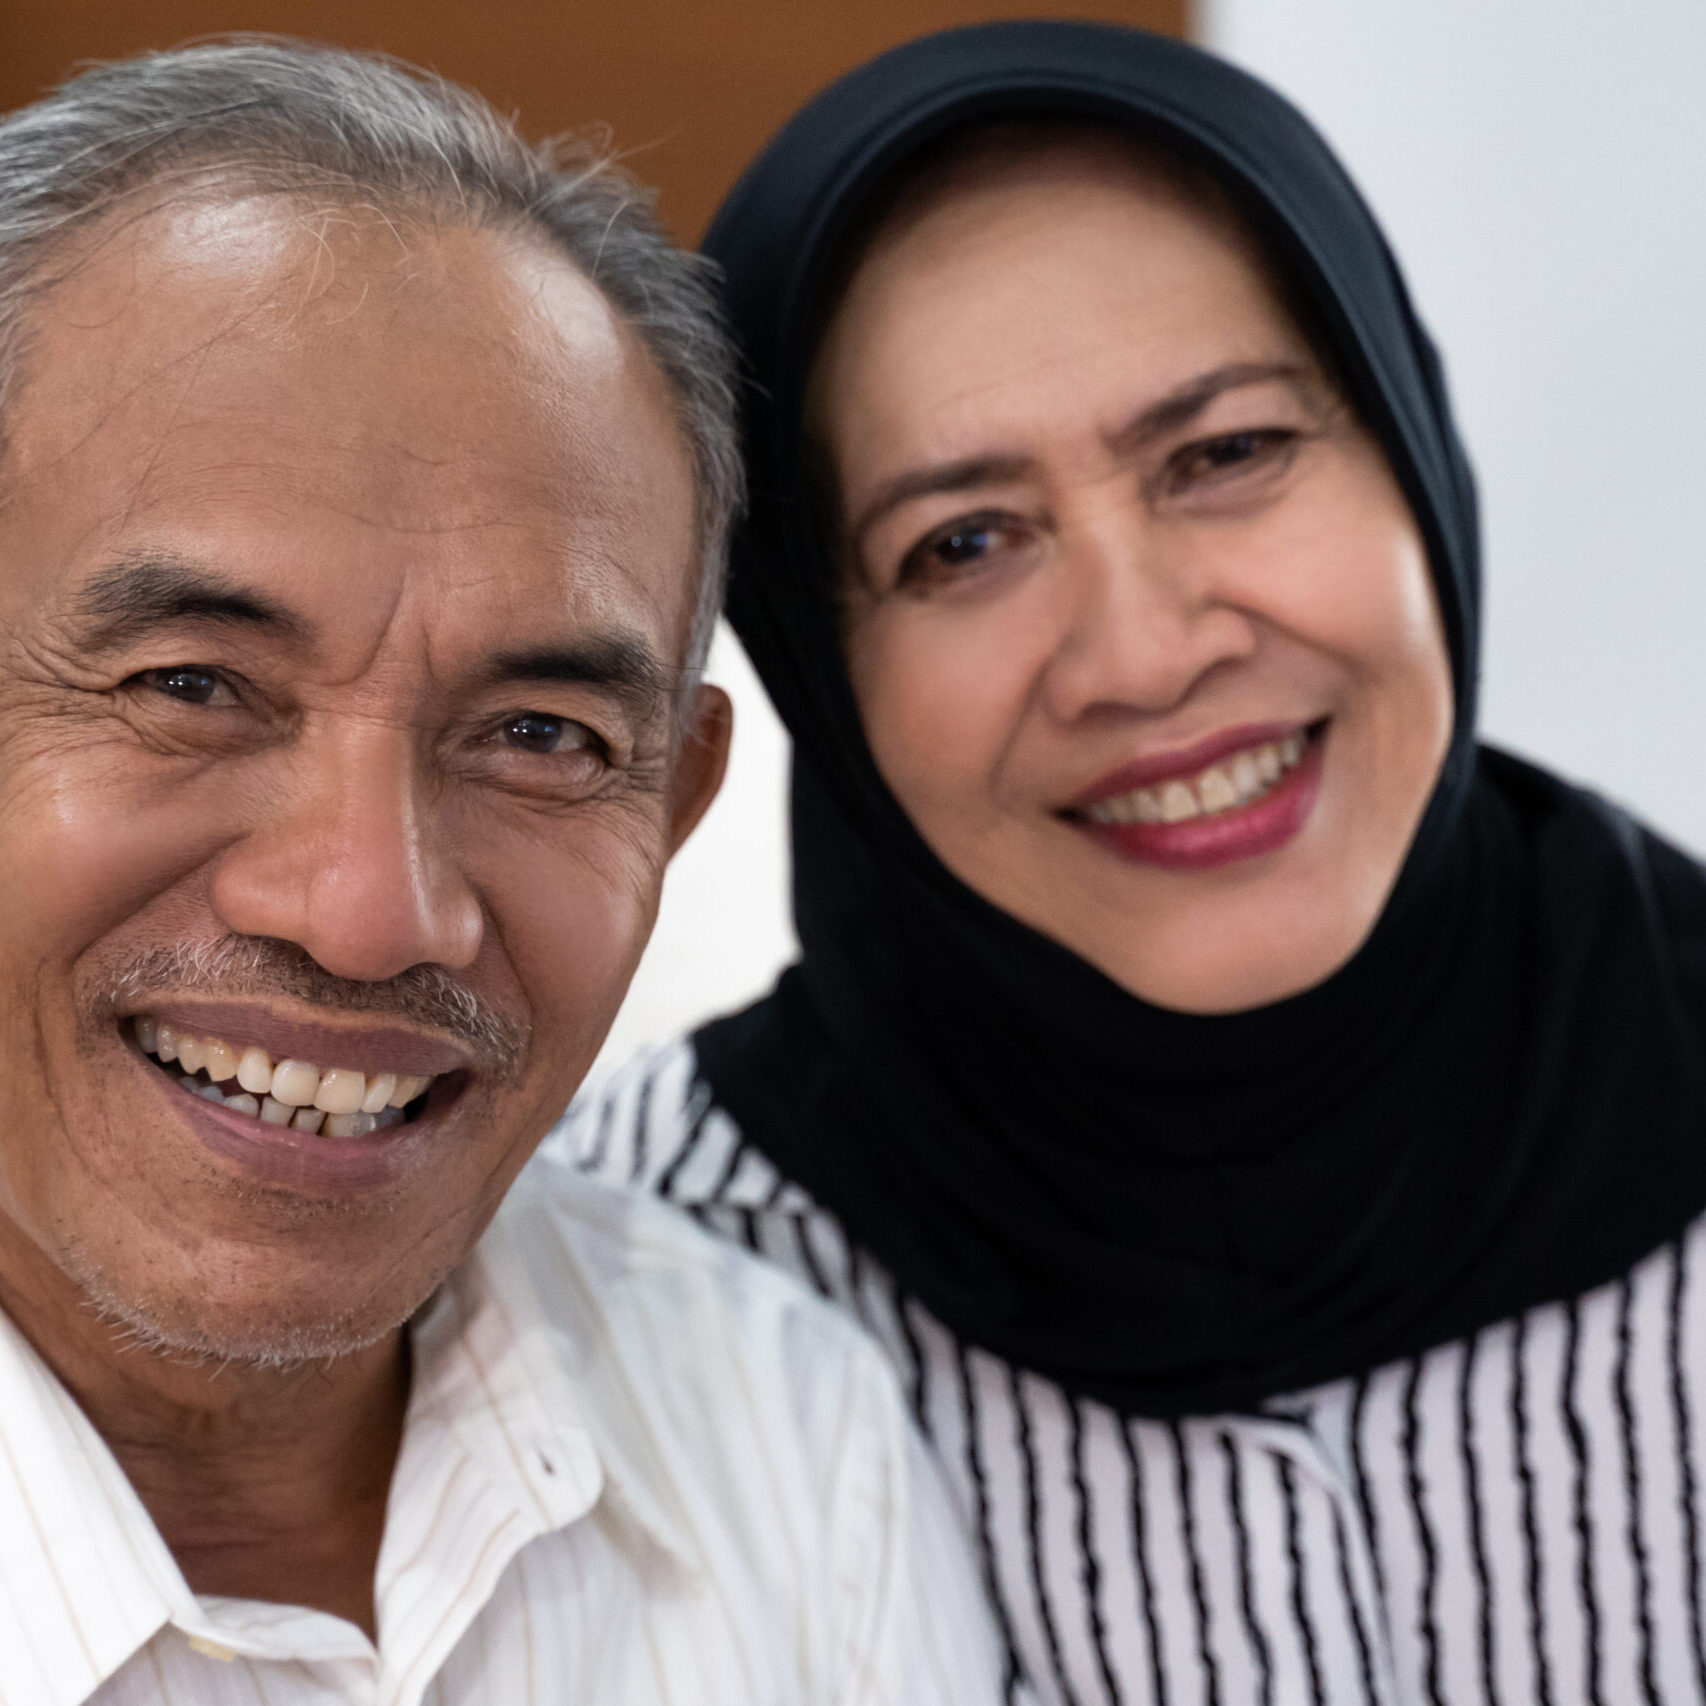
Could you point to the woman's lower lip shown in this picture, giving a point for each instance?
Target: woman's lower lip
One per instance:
(1245, 832)
(280, 1155)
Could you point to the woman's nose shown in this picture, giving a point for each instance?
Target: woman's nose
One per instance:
(1139, 617)
(353, 864)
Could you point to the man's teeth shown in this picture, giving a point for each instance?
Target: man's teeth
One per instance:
(332, 1101)
(1233, 782)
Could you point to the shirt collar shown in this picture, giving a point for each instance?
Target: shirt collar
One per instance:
(91, 1580)
(82, 1566)
(543, 1383)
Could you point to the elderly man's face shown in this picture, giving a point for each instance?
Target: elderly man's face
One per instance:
(344, 574)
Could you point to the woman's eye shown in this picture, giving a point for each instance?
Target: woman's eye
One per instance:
(187, 683)
(1231, 457)
(962, 547)
(964, 544)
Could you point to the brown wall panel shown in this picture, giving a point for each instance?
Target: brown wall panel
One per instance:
(690, 88)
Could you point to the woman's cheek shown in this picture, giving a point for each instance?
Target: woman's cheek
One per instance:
(939, 696)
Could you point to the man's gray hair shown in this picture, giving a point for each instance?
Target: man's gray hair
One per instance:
(289, 116)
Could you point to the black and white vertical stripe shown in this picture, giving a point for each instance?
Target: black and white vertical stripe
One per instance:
(1515, 1520)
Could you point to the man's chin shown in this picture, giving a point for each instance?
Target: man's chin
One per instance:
(204, 1333)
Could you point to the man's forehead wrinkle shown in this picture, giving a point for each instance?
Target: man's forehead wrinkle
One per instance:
(198, 358)
(579, 606)
(266, 306)
(181, 367)
(280, 269)
(652, 597)
(376, 482)
(611, 588)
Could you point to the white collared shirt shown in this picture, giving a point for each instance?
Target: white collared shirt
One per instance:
(637, 1467)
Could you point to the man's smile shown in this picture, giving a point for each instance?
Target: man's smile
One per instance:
(311, 1106)
(284, 1089)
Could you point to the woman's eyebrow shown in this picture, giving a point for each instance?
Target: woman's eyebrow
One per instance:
(1182, 405)
(962, 476)
(1177, 409)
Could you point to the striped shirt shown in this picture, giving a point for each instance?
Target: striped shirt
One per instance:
(1515, 1519)
(638, 1469)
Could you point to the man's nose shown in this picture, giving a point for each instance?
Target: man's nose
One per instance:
(353, 863)
(1139, 617)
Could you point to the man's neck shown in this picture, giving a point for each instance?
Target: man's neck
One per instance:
(265, 1483)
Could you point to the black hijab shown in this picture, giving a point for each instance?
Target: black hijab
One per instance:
(1500, 1100)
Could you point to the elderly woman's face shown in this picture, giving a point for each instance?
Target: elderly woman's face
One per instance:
(1139, 624)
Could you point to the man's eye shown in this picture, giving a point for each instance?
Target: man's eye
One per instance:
(538, 731)
(193, 686)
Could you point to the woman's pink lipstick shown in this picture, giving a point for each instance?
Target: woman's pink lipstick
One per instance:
(1212, 838)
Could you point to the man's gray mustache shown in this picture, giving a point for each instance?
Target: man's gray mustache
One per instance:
(423, 995)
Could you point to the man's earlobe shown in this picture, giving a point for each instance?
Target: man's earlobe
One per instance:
(701, 763)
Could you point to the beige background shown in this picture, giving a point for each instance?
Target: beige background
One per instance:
(690, 88)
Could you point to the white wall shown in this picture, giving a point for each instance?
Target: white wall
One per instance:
(724, 929)
(1541, 169)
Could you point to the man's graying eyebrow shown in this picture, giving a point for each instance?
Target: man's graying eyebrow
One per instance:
(136, 595)
(621, 665)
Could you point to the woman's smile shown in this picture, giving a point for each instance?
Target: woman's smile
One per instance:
(1238, 795)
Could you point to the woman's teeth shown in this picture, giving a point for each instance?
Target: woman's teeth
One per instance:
(331, 1101)
(1223, 786)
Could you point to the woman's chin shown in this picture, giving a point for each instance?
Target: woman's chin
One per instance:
(1210, 983)
(1219, 937)
(1287, 932)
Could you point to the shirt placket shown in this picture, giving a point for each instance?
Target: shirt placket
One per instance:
(1305, 1438)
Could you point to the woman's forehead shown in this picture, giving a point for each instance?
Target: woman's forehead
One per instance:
(978, 159)
(1048, 260)
(1020, 187)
